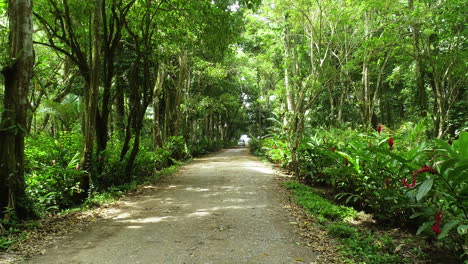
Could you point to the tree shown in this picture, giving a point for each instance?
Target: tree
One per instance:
(17, 75)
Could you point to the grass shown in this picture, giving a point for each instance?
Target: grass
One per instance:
(358, 246)
(315, 204)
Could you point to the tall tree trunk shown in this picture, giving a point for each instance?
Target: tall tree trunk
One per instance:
(13, 122)
(120, 106)
(420, 88)
(287, 54)
(91, 101)
(365, 102)
(157, 137)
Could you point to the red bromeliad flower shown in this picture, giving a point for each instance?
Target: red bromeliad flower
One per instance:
(379, 128)
(413, 182)
(425, 168)
(390, 142)
(436, 226)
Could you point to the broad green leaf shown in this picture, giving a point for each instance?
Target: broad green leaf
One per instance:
(354, 162)
(444, 145)
(423, 227)
(425, 187)
(446, 228)
(462, 229)
(416, 215)
(462, 145)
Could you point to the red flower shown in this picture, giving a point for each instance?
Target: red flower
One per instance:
(387, 183)
(390, 142)
(413, 182)
(333, 149)
(436, 226)
(379, 128)
(425, 168)
(346, 162)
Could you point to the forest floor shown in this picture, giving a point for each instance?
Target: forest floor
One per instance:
(227, 207)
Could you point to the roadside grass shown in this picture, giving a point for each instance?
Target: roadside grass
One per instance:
(357, 244)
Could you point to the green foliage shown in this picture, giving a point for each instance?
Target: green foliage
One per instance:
(176, 147)
(342, 230)
(406, 184)
(367, 248)
(356, 245)
(318, 205)
(50, 174)
(364, 247)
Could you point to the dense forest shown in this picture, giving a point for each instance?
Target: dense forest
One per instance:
(367, 97)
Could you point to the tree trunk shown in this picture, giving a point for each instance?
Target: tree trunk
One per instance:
(157, 137)
(420, 88)
(13, 122)
(287, 85)
(91, 101)
(120, 106)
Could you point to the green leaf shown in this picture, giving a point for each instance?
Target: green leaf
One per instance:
(458, 171)
(447, 228)
(462, 229)
(444, 145)
(425, 187)
(354, 162)
(416, 215)
(447, 165)
(462, 145)
(423, 227)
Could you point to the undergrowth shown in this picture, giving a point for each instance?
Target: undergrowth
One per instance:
(356, 245)
(320, 207)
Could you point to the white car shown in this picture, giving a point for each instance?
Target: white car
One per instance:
(243, 141)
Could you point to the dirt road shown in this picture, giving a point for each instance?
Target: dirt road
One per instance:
(223, 208)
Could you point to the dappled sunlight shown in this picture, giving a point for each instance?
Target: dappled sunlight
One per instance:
(197, 189)
(198, 214)
(260, 169)
(134, 227)
(234, 200)
(210, 167)
(122, 216)
(149, 220)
